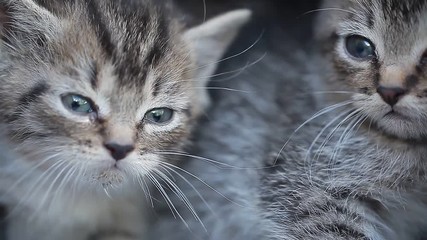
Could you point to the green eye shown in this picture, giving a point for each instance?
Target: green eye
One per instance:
(159, 115)
(360, 47)
(77, 103)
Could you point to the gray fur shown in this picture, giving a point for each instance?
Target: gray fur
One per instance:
(58, 178)
(235, 136)
(350, 173)
(365, 178)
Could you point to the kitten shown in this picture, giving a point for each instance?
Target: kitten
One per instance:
(362, 174)
(356, 169)
(223, 171)
(94, 95)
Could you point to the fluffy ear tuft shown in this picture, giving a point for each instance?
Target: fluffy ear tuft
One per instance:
(210, 41)
(24, 21)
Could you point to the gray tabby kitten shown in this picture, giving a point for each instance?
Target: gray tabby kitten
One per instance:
(362, 175)
(95, 97)
(356, 169)
(223, 174)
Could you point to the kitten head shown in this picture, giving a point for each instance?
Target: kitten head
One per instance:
(380, 50)
(103, 89)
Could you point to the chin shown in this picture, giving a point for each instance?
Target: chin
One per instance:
(104, 178)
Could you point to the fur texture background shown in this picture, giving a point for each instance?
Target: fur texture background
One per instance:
(348, 173)
(238, 131)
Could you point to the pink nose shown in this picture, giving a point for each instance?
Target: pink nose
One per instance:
(118, 151)
(391, 95)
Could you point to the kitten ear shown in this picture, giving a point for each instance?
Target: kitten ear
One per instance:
(24, 21)
(210, 40)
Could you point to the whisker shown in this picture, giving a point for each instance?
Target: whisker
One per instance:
(49, 190)
(332, 92)
(318, 136)
(332, 133)
(211, 161)
(203, 182)
(61, 187)
(32, 190)
(192, 187)
(175, 189)
(165, 196)
(327, 9)
(316, 115)
(224, 89)
(232, 56)
(28, 173)
(145, 189)
(234, 73)
(345, 136)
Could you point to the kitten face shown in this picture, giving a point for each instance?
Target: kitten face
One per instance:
(381, 52)
(98, 90)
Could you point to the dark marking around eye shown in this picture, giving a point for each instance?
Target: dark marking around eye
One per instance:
(32, 95)
(423, 59)
(422, 63)
(419, 68)
(411, 81)
(377, 77)
(102, 130)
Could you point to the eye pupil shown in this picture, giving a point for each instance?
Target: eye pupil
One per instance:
(360, 47)
(159, 115)
(77, 103)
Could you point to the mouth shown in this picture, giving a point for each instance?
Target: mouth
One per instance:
(395, 116)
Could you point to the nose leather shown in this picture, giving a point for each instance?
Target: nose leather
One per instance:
(118, 152)
(391, 95)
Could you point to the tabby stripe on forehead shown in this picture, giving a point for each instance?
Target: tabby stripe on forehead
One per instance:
(102, 31)
(33, 94)
(159, 47)
(93, 75)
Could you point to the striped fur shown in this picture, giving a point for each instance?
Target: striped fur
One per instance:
(127, 57)
(359, 174)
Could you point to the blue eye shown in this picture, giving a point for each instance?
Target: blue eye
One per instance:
(360, 47)
(78, 104)
(159, 115)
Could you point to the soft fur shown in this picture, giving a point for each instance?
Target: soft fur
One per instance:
(355, 169)
(224, 169)
(362, 173)
(57, 176)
